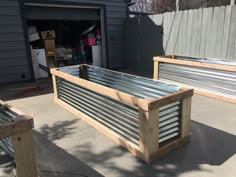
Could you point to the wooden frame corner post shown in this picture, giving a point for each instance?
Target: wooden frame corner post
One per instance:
(156, 70)
(148, 122)
(186, 117)
(24, 154)
(54, 81)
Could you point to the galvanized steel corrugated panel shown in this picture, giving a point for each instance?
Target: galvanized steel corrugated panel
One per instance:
(6, 117)
(118, 116)
(212, 80)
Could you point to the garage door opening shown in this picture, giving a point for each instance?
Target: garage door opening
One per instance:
(62, 36)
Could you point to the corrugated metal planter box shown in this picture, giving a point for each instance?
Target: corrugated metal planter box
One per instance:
(209, 77)
(147, 117)
(16, 139)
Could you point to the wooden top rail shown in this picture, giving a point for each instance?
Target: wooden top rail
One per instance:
(171, 59)
(19, 124)
(159, 102)
(15, 128)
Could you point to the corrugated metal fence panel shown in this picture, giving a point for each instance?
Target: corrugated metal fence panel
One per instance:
(208, 32)
(12, 44)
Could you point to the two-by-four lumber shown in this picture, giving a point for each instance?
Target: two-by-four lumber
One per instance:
(15, 128)
(196, 64)
(149, 129)
(156, 70)
(159, 102)
(24, 154)
(186, 117)
(54, 86)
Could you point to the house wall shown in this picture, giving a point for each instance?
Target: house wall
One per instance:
(14, 65)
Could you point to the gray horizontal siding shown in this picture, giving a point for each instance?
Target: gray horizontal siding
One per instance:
(12, 46)
(13, 61)
(16, 77)
(11, 29)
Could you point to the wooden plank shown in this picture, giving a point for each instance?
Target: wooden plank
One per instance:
(18, 112)
(173, 33)
(203, 35)
(204, 93)
(176, 31)
(83, 72)
(194, 35)
(213, 33)
(232, 34)
(148, 124)
(184, 32)
(24, 154)
(159, 102)
(198, 32)
(167, 31)
(219, 33)
(185, 117)
(225, 39)
(156, 70)
(54, 82)
(215, 96)
(197, 64)
(189, 32)
(208, 44)
(169, 147)
(106, 131)
(121, 96)
(179, 36)
(15, 128)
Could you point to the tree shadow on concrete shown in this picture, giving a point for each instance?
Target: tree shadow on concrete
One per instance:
(53, 161)
(208, 146)
(59, 129)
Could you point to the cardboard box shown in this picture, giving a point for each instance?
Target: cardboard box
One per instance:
(50, 44)
(33, 34)
(47, 35)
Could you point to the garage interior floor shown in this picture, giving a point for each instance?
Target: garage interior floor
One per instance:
(68, 147)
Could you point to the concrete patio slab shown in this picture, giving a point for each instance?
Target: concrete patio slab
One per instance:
(64, 143)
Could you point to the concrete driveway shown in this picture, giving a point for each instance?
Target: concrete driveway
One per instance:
(67, 147)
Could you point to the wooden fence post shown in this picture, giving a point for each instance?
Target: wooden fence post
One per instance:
(149, 128)
(24, 154)
(185, 119)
